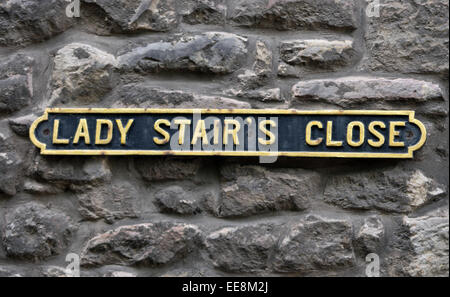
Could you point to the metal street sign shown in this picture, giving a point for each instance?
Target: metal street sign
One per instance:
(213, 132)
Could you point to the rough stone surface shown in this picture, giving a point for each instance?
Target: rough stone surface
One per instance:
(120, 274)
(410, 37)
(370, 236)
(54, 271)
(127, 16)
(35, 232)
(247, 190)
(21, 125)
(263, 95)
(317, 53)
(15, 94)
(210, 12)
(191, 273)
(167, 169)
(420, 246)
(251, 82)
(109, 202)
(143, 96)
(211, 52)
(288, 71)
(131, 15)
(263, 59)
(16, 83)
(429, 239)
(60, 272)
(395, 190)
(6, 271)
(176, 200)
(92, 171)
(242, 249)
(12, 161)
(328, 246)
(9, 166)
(295, 14)
(37, 188)
(82, 74)
(151, 244)
(26, 21)
(351, 91)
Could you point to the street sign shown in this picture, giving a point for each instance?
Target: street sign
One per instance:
(227, 132)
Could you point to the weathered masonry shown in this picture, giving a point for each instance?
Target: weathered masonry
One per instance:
(347, 186)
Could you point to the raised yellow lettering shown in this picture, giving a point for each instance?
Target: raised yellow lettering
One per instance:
(200, 132)
(262, 127)
(227, 132)
(362, 132)
(57, 140)
(182, 130)
(393, 133)
(309, 127)
(98, 132)
(161, 131)
(124, 131)
(82, 131)
(216, 131)
(377, 134)
(330, 141)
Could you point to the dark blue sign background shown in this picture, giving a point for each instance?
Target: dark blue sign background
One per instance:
(291, 131)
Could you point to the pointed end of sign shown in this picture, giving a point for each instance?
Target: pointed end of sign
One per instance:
(32, 132)
(423, 134)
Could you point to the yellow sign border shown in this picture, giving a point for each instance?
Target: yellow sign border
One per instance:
(44, 151)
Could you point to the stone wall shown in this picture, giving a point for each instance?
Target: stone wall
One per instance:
(152, 216)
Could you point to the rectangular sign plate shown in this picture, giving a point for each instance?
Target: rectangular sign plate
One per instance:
(214, 132)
